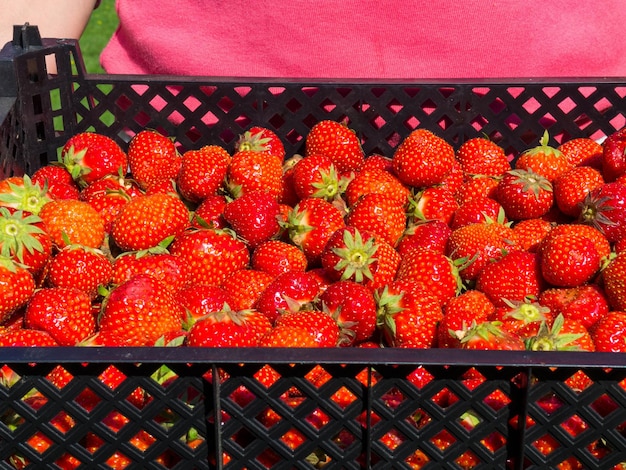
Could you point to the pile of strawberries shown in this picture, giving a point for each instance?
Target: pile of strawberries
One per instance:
(428, 247)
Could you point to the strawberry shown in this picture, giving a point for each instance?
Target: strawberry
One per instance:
(431, 234)
(201, 299)
(288, 336)
(488, 335)
(140, 311)
(211, 255)
(288, 292)
(229, 328)
(523, 317)
(16, 287)
(338, 142)
(350, 255)
(376, 180)
(481, 156)
(323, 326)
(202, 172)
(70, 221)
(433, 203)
(110, 184)
(572, 187)
(455, 179)
(261, 139)
(613, 159)
(407, 315)
(254, 216)
(353, 306)
(20, 193)
(543, 159)
(107, 196)
(582, 151)
(156, 262)
(254, 171)
(310, 224)
(529, 233)
(146, 221)
(614, 282)
(316, 176)
(524, 194)
(380, 215)
(569, 260)
(423, 159)
(64, 312)
(210, 213)
(478, 209)
(88, 156)
(609, 332)
(153, 158)
(245, 287)
(27, 337)
(276, 256)
(605, 208)
(586, 303)
(566, 334)
(57, 180)
(477, 244)
(599, 240)
(80, 267)
(432, 271)
(24, 239)
(476, 186)
(470, 306)
(514, 277)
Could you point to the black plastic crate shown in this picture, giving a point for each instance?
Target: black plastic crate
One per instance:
(194, 416)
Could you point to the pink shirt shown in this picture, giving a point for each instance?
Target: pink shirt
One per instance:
(370, 38)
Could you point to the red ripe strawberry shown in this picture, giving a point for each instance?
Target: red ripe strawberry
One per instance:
(254, 217)
(322, 326)
(310, 225)
(89, 156)
(288, 336)
(211, 255)
(146, 221)
(69, 221)
(613, 155)
(599, 240)
(290, 291)
(514, 277)
(26, 337)
(261, 139)
(544, 160)
(316, 176)
(479, 209)
(210, 213)
(376, 180)
(481, 156)
(110, 183)
(245, 287)
(156, 262)
(566, 334)
(431, 234)
(201, 299)
(140, 311)
(153, 158)
(64, 312)
(605, 209)
(202, 172)
(582, 151)
(531, 232)
(254, 171)
(108, 205)
(350, 255)
(609, 332)
(407, 315)
(475, 245)
(338, 142)
(476, 186)
(586, 303)
(24, 239)
(80, 267)
(524, 318)
(524, 194)
(353, 306)
(377, 161)
(16, 287)
(57, 180)
(434, 203)
(569, 260)
(614, 282)
(431, 270)
(572, 187)
(276, 256)
(378, 214)
(455, 178)
(423, 159)
(229, 329)
(20, 193)
(469, 307)
(489, 335)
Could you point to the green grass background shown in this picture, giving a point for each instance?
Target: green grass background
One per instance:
(99, 30)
